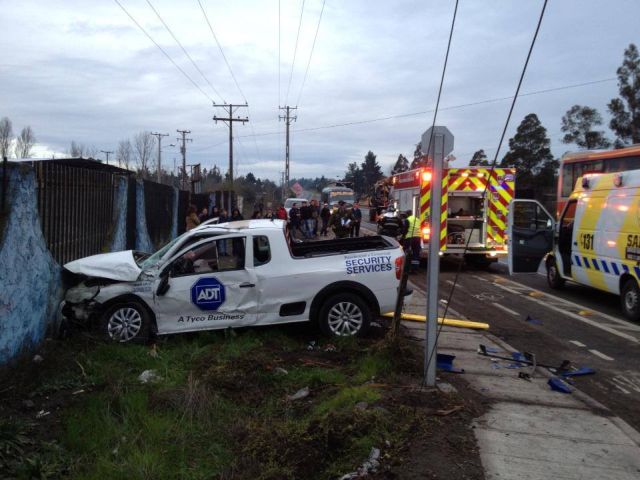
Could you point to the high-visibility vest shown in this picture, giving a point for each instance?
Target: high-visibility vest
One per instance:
(414, 227)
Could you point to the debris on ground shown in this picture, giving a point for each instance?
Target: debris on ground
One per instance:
(445, 362)
(532, 320)
(153, 351)
(302, 393)
(281, 371)
(37, 359)
(559, 385)
(445, 387)
(369, 466)
(149, 376)
(578, 372)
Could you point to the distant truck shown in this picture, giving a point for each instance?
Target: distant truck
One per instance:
(596, 241)
(336, 193)
(237, 274)
(473, 209)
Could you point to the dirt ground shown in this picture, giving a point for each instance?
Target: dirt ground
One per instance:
(438, 443)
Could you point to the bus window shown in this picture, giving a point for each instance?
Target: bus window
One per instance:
(567, 179)
(630, 163)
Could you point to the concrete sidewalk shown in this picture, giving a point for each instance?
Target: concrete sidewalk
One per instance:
(530, 431)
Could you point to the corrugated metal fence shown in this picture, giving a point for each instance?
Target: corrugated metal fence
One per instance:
(76, 209)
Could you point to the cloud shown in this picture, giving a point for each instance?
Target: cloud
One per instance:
(83, 71)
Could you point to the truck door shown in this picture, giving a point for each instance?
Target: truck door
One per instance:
(530, 232)
(565, 235)
(209, 287)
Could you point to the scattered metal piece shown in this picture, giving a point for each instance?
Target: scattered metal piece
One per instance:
(558, 385)
(445, 362)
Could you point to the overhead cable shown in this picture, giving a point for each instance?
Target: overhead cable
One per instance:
(221, 51)
(295, 50)
(163, 51)
(185, 51)
(313, 46)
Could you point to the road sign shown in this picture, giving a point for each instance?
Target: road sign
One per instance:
(441, 143)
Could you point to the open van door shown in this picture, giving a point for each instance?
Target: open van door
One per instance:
(530, 230)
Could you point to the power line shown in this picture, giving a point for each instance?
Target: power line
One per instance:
(163, 51)
(452, 107)
(313, 46)
(295, 50)
(221, 51)
(184, 51)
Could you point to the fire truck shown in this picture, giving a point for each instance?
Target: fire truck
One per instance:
(473, 209)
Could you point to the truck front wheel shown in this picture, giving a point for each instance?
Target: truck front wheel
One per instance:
(553, 275)
(630, 299)
(345, 315)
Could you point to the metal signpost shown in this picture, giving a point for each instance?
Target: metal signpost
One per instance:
(439, 142)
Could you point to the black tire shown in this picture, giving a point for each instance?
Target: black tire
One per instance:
(344, 314)
(553, 275)
(125, 322)
(630, 300)
(478, 262)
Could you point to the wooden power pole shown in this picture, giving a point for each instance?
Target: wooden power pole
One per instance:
(230, 109)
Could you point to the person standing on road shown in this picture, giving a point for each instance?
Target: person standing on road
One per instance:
(204, 215)
(341, 221)
(282, 213)
(315, 216)
(224, 216)
(192, 220)
(236, 215)
(411, 239)
(294, 219)
(307, 221)
(325, 215)
(357, 218)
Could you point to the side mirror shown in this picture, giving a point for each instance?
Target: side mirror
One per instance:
(163, 286)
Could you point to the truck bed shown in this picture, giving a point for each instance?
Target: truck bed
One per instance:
(338, 246)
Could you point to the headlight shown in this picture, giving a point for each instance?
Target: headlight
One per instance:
(80, 293)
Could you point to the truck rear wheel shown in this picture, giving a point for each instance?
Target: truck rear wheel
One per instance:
(630, 299)
(345, 315)
(553, 275)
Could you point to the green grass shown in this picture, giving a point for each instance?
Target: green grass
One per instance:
(220, 409)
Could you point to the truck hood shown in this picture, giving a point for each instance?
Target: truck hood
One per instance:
(115, 266)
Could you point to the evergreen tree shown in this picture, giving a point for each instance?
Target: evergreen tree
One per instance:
(402, 165)
(625, 111)
(529, 153)
(417, 156)
(355, 175)
(479, 159)
(578, 124)
(371, 171)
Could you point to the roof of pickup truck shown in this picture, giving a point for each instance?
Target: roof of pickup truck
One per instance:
(244, 225)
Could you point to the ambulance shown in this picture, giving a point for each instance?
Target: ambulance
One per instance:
(596, 241)
(473, 209)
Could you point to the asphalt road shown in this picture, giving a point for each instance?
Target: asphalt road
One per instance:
(579, 324)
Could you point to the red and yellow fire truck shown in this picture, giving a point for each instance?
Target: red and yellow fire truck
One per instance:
(474, 206)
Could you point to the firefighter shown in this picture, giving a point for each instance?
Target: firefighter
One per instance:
(411, 239)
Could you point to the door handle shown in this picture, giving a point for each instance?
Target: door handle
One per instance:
(575, 243)
(247, 285)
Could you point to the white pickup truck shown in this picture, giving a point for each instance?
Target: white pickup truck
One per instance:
(237, 274)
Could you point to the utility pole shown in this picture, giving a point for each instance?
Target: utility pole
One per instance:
(183, 151)
(160, 135)
(288, 119)
(282, 185)
(231, 109)
(107, 154)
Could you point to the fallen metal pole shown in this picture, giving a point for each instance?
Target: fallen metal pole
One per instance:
(450, 322)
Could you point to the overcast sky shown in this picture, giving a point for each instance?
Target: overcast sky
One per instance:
(83, 71)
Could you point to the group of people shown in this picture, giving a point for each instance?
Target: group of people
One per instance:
(194, 218)
(310, 219)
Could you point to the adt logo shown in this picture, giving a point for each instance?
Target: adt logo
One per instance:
(208, 294)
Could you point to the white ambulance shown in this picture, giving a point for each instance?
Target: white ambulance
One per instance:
(596, 241)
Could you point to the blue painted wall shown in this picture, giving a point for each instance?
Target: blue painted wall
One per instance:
(29, 277)
(143, 242)
(119, 240)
